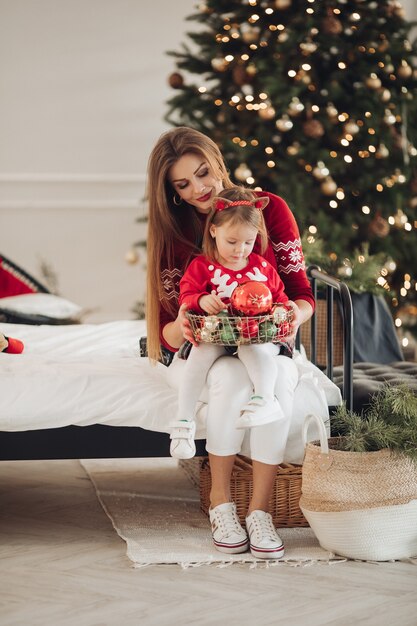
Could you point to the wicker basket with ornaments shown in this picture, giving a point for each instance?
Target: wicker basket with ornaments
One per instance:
(251, 317)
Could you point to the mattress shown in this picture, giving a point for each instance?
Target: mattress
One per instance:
(87, 374)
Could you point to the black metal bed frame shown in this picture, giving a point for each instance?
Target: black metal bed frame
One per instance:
(101, 441)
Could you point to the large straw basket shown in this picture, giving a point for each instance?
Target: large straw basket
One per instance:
(226, 329)
(284, 503)
(362, 505)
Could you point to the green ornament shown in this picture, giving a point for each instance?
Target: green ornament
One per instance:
(267, 331)
(228, 335)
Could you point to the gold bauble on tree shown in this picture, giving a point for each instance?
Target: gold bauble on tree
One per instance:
(219, 64)
(405, 70)
(382, 151)
(351, 127)
(176, 80)
(328, 186)
(282, 4)
(242, 172)
(267, 114)
(373, 82)
(250, 34)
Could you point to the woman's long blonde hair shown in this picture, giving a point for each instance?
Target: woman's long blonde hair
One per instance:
(167, 221)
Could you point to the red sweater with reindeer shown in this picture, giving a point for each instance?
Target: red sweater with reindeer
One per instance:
(204, 276)
(284, 253)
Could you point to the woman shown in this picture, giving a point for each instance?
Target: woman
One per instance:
(185, 172)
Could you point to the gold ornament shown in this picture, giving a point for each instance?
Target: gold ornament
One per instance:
(284, 124)
(176, 80)
(344, 271)
(250, 34)
(313, 129)
(219, 64)
(382, 151)
(319, 173)
(282, 4)
(206, 335)
(373, 82)
(351, 128)
(242, 172)
(279, 314)
(332, 112)
(295, 107)
(385, 95)
(211, 322)
(131, 256)
(328, 186)
(308, 47)
(267, 114)
(293, 149)
(405, 70)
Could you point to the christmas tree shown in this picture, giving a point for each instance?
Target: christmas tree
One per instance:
(316, 101)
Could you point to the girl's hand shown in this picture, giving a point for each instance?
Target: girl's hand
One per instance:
(185, 325)
(211, 304)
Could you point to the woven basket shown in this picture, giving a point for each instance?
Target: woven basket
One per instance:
(321, 335)
(232, 330)
(362, 505)
(284, 503)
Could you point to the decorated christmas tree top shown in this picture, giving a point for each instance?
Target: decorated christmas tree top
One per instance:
(316, 101)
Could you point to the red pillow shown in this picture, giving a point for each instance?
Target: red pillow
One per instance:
(11, 284)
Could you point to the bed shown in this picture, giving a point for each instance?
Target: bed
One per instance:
(83, 391)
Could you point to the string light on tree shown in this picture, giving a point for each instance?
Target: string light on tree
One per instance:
(329, 99)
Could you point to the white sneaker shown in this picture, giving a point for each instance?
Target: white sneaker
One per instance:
(258, 412)
(228, 534)
(182, 439)
(265, 543)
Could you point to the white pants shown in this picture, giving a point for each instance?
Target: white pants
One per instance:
(259, 360)
(227, 389)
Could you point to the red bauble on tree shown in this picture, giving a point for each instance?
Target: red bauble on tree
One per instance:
(251, 298)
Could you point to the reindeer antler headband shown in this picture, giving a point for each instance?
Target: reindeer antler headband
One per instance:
(219, 204)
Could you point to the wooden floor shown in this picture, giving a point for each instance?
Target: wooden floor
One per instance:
(61, 563)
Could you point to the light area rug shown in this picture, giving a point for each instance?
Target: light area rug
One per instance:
(155, 508)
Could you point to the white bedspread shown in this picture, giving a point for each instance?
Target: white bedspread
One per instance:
(93, 374)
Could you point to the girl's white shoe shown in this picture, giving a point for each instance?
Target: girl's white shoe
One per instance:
(258, 412)
(182, 439)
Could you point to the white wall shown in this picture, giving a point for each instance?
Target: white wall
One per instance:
(83, 87)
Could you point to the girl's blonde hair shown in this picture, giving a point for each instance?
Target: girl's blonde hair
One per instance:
(236, 214)
(171, 226)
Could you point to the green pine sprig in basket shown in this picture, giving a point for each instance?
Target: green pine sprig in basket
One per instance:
(390, 422)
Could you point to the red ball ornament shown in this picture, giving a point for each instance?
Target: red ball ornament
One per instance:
(251, 298)
(249, 328)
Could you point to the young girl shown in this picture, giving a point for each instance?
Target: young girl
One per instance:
(231, 230)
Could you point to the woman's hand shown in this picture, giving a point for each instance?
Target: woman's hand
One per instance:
(185, 325)
(295, 322)
(211, 304)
